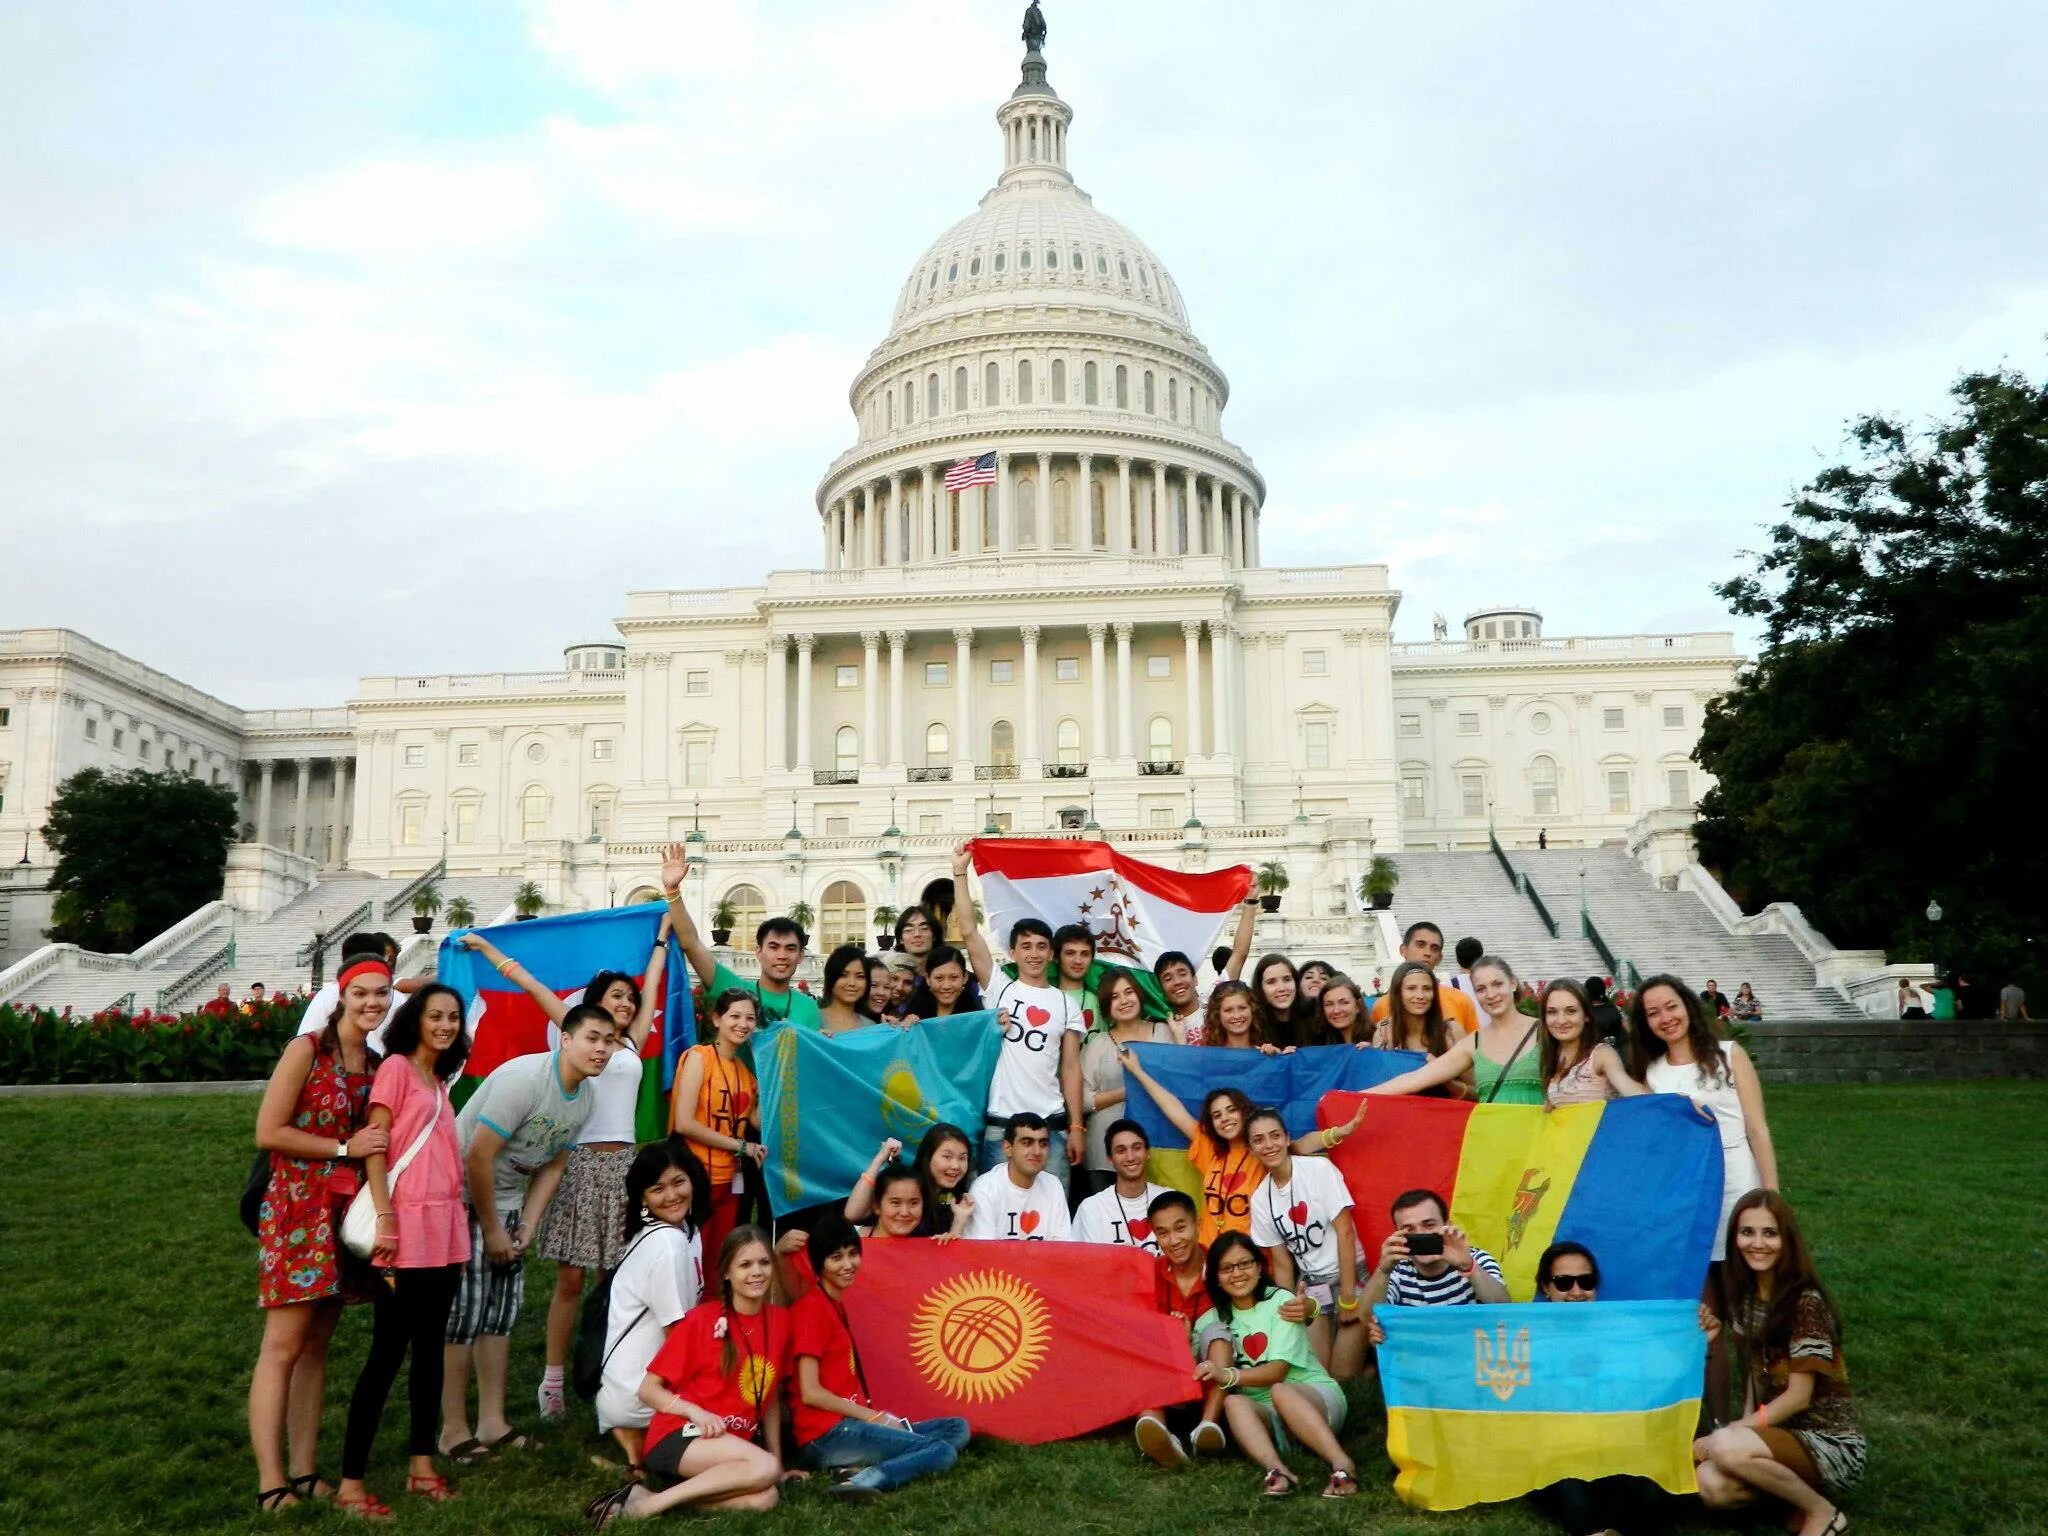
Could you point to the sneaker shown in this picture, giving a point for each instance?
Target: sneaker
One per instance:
(1158, 1442)
(1208, 1439)
(554, 1403)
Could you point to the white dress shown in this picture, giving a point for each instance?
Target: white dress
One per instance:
(1738, 1163)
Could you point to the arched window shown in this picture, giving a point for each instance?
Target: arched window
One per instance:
(1023, 381)
(1062, 513)
(749, 906)
(1151, 402)
(931, 394)
(1173, 399)
(909, 402)
(1059, 381)
(938, 746)
(1026, 495)
(1089, 394)
(991, 385)
(1098, 515)
(1543, 786)
(1123, 388)
(959, 389)
(1159, 739)
(842, 916)
(533, 813)
(1066, 738)
(1002, 744)
(846, 750)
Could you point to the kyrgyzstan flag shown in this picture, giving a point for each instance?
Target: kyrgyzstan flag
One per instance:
(1137, 911)
(562, 953)
(1028, 1342)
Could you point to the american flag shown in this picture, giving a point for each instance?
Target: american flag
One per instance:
(967, 472)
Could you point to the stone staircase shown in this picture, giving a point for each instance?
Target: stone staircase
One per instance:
(186, 971)
(1468, 894)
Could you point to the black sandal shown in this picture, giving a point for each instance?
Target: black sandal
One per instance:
(1838, 1522)
(308, 1487)
(607, 1507)
(273, 1498)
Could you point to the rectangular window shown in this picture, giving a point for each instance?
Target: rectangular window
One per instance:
(465, 821)
(697, 763)
(1468, 722)
(1674, 717)
(120, 739)
(1472, 794)
(412, 823)
(1315, 744)
(1612, 720)
(144, 750)
(1159, 666)
(1414, 795)
(416, 757)
(1002, 671)
(846, 677)
(1411, 725)
(601, 749)
(1066, 669)
(1159, 816)
(1315, 663)
(92, 730)
(931, 821)
(7, 717)
(935, 674)
(1617, 790)
(467, 754)
(696, 682)
(1002, 820)
(839, 826)
(1677, 788)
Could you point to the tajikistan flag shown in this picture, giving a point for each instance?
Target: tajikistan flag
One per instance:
(1137, 911)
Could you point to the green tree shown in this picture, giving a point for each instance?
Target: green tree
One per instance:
(136, 852)
(1885, 748)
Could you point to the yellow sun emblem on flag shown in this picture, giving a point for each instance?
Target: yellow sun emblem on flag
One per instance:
(904, 1110)
(756, 1379)
(980, 1336)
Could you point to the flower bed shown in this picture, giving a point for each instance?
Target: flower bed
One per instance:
(43, 1045)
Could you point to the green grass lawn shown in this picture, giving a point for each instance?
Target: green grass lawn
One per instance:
(128, 1325)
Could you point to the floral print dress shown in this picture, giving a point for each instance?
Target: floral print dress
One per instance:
(299, 1229)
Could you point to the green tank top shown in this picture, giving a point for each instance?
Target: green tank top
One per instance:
(1522, 1082)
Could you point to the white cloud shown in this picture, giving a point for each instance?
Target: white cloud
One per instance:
(400, 208)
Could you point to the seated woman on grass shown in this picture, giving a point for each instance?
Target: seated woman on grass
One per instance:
(943, 1169)
(1273, 1385)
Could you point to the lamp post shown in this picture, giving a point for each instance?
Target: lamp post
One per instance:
(1934, 922)
(24, 846)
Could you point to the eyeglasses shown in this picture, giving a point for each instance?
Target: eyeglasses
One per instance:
(1241, 1267)
(1586, 1283)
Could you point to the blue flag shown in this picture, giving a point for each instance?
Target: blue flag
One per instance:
(827, 1102)
(1291, 1083)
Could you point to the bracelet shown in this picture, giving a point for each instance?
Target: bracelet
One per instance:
(674, 895)
(1329, 1138)
(1235, 1376)
(867, 1178)
(387, 1215)
(1347, 1304)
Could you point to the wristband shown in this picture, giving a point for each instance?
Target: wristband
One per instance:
(1347, 1304)
(867, 1178)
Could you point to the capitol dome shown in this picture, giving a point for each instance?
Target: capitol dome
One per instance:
(1040, 359)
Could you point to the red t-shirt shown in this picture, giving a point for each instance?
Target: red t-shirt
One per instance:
(816, 1330)
(797, 1276)
(689, 1361)
(1185, 1305)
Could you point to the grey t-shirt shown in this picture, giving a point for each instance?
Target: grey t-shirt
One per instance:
(523, 1102)
(2012, 1001)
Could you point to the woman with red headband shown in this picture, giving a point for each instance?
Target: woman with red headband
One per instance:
(314, 1123)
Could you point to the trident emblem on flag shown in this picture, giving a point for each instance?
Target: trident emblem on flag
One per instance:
(1497, 1367)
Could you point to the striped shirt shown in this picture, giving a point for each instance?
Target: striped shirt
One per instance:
(1406, 1288)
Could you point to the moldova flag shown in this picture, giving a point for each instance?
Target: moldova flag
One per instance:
(562, 953)
(1490, 1403)
(1294, 1084)
(827, 1103)
(1028, 1342)
(1638, 1181)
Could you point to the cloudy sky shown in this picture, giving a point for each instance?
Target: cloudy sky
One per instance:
(340, 339)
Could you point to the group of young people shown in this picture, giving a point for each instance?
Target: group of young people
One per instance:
(728, 1362)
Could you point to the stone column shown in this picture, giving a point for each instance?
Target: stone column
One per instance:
(1194, 512)
(1006, 506)
(1098, 694)
(300, 840)
(1212, 536)
(1191, 634)
(777, 708)
(1251, 524)
(1276, 684)
(1379, 695)
(1041, 536)
(1120, 518)
(963, 694)
(1030, 742)
(1356, 689)
(878, 526)
(871, 701)
(1084, 504)
(1123, 690)
(1240, 547)
(830, 522)
(893, 550)
(1220, 743)
(1161, 542)
(664, 696)
(344, 806)
(970, 523)
(927, 532)
(269, 769)
(804, 646)
(897, 640)
(501, 802)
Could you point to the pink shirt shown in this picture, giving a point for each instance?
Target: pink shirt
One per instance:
(433, 1223)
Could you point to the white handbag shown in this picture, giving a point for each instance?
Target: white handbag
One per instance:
(359, 1221)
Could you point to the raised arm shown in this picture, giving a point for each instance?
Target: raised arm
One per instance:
(517, 974)
(1241, 945)
(650, 985)
(978, 954)
(1169, 1103)
(675, 864)
(861, 1203)
(1435, 1072)
(1608, 1064)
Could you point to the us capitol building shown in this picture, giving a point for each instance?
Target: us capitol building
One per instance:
(1088, 639)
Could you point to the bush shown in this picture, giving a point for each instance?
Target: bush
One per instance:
(42, 1045)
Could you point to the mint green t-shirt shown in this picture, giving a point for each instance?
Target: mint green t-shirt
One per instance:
(1264, 1336)
(791, 1007)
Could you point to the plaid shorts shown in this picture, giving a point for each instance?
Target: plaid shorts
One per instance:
(487, 1298)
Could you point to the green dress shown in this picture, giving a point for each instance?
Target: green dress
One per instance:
(1522, 1083)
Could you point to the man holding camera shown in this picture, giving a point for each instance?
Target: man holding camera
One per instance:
(1426, 1262)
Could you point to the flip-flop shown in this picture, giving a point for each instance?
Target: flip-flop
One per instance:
(467, 1453)
(511, 1440)
(307, 1487)
(273, 1498)
(607, 1507)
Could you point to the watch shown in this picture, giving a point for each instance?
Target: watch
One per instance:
(340, 1150)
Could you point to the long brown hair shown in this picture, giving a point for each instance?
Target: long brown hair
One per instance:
(737, 1239)
(1212, 1016)
(1324, 1032)
(1644, 1047)
(1791, 1277)
(1549, 1052)
(1281, 1029)
(1436, 1029)
(1244, 1107)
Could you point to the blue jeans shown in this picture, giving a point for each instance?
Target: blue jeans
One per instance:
(889, 1457)
(1055, 1157)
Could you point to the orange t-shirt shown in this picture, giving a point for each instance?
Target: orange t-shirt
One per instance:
(1457, 1005)
(1227, 1184)
(727, 1099)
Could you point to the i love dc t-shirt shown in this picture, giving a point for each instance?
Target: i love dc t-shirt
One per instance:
(1301, 1216)
(1264, 1336)
(1027, 1075)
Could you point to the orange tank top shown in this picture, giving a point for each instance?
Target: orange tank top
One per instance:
(727, 1102)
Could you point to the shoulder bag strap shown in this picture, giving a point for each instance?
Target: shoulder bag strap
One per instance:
(644, 1231)
(405, 1160)
(1527, 1035)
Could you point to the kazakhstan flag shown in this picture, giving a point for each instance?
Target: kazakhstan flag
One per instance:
(1490, 1403)
(828, 1101)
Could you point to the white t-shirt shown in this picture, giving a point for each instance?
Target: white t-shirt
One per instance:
(1301, 1215)
(1002, 1210)
(660, 1279)
(1108, 1217)
(1027, 1076)
(615, 1100)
